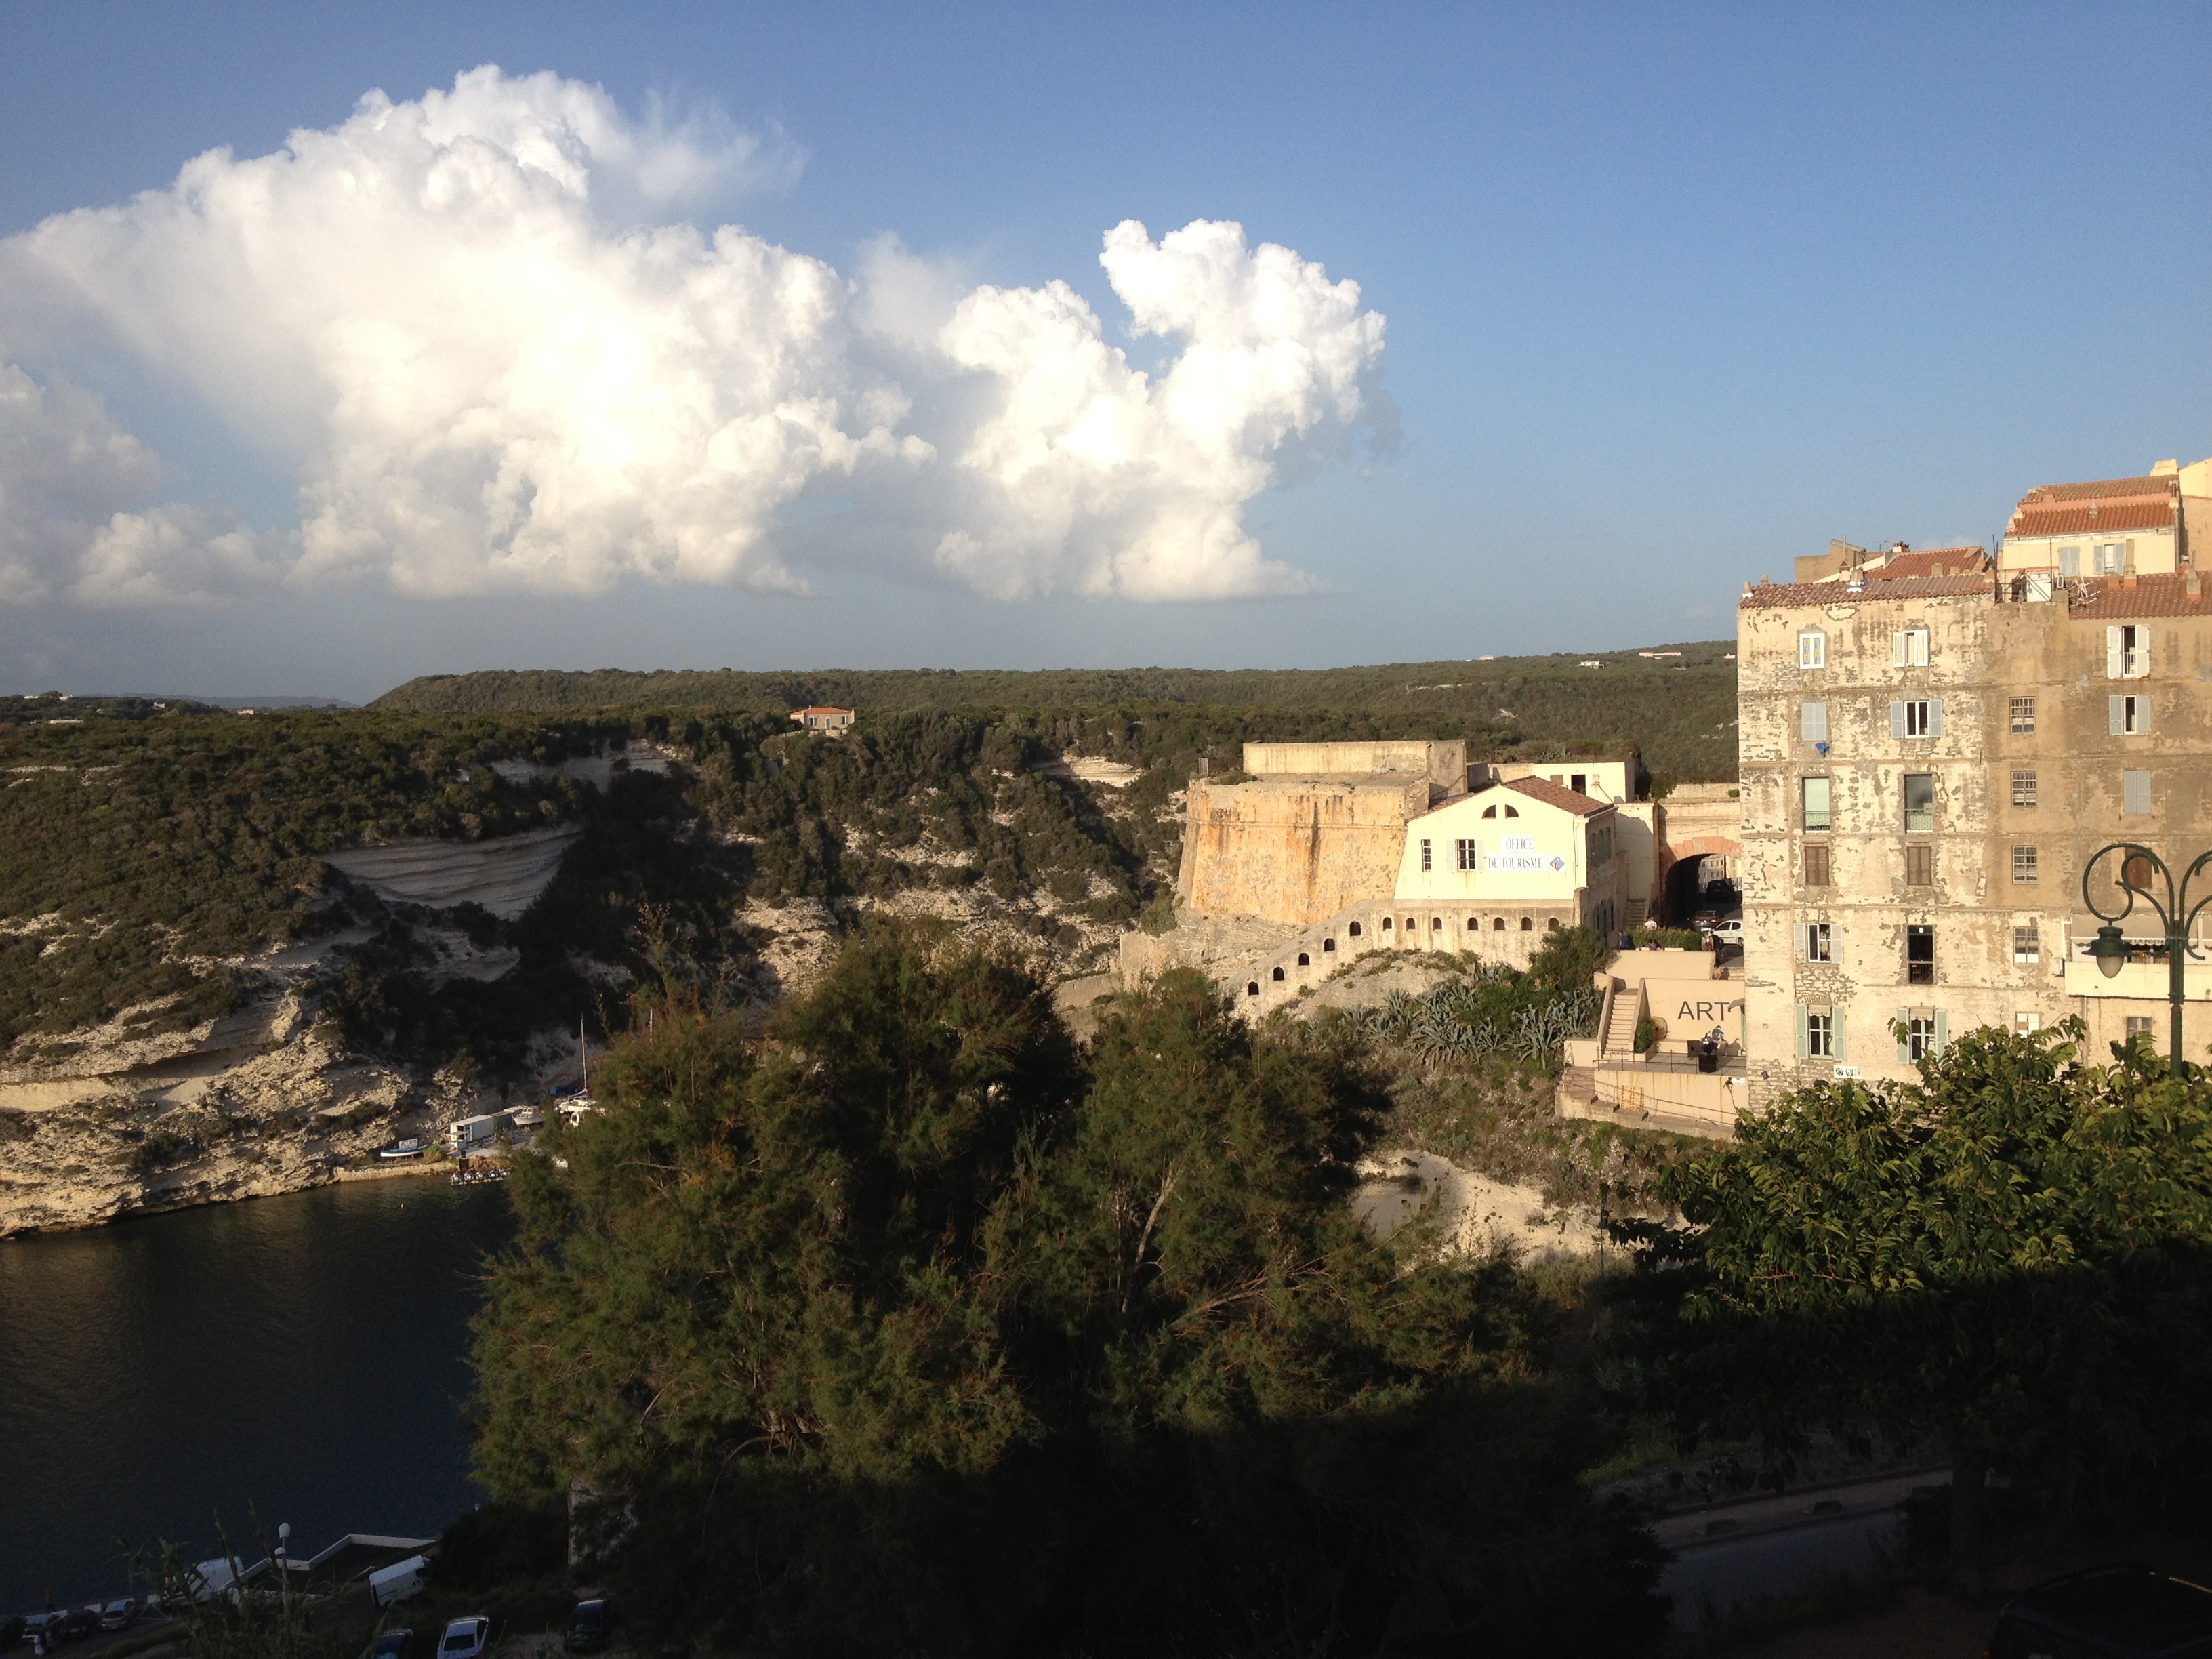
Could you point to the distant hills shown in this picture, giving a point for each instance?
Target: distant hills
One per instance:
(1680, 708)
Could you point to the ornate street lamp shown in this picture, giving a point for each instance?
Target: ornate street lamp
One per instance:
(2139, 866)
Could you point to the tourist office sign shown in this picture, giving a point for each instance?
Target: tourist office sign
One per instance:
(1517, 855)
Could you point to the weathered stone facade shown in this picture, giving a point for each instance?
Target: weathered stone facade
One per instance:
(1926, 765)
(1295, 849)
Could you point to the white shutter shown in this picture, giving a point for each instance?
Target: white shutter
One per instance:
(2134, 793)
(2143, 653)
(1901, 649)
(2116, 715)
(1942, 1032)
(1801, 1043)
(2113, 664)
(1897, 718)
(1800, 934)
(2069, 561)
(1812, 722)
(1836, 1035)
(1903, 1049)
(1936, 717)
(2142, 712)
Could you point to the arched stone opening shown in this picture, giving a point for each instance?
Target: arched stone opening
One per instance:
(1278, 974)
(1527, 925)
(1304, 961)
(1253, 989)
(1328, 944)
(1353, 930)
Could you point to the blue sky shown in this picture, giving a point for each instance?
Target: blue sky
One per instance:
(1672, 295)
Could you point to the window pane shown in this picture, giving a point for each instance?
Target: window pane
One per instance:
(2024, 861)
(2023, 714)
(1816, 803)
(1920, 803)
(2023, 788)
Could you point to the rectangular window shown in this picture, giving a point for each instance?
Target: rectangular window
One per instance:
(1813, 650)
(2127, 652)
(1920, 954)
(1920, 865)
(1820, 1036)
(1919, 1038)
(2111, 558)
(1465, 851)
(1916, 718)
(1579, 783)
(1424, 855)
(2026, 1021)
(1910, 649)
(2128, 717)
(1817, 798)
(2069, 561)
(2024, 864)
(1920, 803)
(2134, 793)
(2023, 715)
(1820, 944)
(1812, 722)
(2023, 786)
(2139, 1025)
(2026, 944)
(1816, 865)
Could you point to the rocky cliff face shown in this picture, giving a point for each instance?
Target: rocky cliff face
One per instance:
(103, 1124)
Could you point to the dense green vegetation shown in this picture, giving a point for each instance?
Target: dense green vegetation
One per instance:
(143, 848)
(2012, 1258)
(960, 1339)
(1680, 710)
(134, 850)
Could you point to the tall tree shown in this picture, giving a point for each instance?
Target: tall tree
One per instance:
(903, 1329)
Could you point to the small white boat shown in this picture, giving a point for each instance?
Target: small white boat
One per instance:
(404, 1149)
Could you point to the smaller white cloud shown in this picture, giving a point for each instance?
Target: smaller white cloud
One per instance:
(75, 521)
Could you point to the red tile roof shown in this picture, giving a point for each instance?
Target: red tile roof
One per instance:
(2097, 519)
(1929, 562)
(1540, 789)
(1557, 794)
(2110, 599)
(801, 714)
(2105, 489)
(1782, 595)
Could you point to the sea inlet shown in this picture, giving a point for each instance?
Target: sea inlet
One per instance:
(301, 1358)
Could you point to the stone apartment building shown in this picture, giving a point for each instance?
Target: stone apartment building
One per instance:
(1931, 750)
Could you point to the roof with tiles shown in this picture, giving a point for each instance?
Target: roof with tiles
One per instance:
(1535, 789)
(1929, 562)
(2103, 490)
(2151, 595)
(2097, 519)
(1783, 595)
(1557, 794)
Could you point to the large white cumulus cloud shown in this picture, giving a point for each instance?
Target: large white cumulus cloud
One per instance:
(499, 361)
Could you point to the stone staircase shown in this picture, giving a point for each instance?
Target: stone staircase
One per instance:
(1627, 1007)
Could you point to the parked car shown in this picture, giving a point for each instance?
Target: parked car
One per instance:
(11, 1631)
(1729, 932)
(589, 1625)
(44, 1629)
(465, 1638)
(80, 1622)
(2127, 1611)
(396, 1643)
(120, 1613)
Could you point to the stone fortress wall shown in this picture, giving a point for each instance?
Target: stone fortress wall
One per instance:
(1319, 826)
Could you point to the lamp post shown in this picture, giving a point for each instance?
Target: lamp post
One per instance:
(2138, 867)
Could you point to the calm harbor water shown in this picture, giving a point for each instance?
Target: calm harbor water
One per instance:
(298, 1360)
